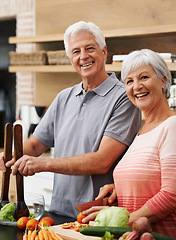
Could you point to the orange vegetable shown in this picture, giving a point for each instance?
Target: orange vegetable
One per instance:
(40, 236)
(33, 235)
(21, 223)
(25, 237)
(49, 235)
(36, 237)
(81, 216)
(49, 220)
(45, 234)
(32, 224)
(29, 234)
(54, 236)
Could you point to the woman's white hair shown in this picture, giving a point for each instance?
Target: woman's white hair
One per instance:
(147, 57)
(82, 26)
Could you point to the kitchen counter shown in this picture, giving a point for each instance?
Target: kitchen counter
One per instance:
(14, 233)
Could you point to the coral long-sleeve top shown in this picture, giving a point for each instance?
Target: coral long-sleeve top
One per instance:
(147, 174)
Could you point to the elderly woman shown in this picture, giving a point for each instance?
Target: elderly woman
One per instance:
(145, 178)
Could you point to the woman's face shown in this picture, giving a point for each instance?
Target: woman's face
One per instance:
(144, 88)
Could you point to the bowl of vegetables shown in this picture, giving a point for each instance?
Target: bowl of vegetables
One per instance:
(35, 203)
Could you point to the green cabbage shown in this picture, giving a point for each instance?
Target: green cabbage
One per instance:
(6, 212)
(112, 217)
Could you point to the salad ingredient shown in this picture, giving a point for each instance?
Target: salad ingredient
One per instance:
(32, 224)
(81, 216)
(108, 236)
(146, 236)
(44, 233)
(112, 217)
(21, 223)
(118, 232)
(49, 219)
(100, 231)
(74, 225)
(33, 234)
(46, 222)
(6, 212)
(54, 236)
(142, 225)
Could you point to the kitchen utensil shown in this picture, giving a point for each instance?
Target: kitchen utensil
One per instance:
(98, 202)
(7, 156)
(71, 234)
(36, 205)
(21, 208)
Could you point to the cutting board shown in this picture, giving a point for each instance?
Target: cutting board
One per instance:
(71, 234)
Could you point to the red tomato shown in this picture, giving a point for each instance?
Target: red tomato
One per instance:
(21, 223)
(49, 219)
(32, 224)
(43, 223)
(81, 216)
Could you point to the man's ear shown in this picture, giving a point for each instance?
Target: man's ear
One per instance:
(105, 52)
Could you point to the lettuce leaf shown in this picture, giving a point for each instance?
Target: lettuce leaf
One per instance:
(6, 212)
(112, 217)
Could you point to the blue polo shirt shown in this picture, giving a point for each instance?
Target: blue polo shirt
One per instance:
(74, 124)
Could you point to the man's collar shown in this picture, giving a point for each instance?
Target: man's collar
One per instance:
(103, 88)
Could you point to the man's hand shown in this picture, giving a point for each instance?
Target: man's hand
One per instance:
(8, 164)
(28, 165)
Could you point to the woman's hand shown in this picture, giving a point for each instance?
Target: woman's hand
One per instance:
(108, 189)
(92, 213)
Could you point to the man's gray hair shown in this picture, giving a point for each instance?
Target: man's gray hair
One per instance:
(82, 26)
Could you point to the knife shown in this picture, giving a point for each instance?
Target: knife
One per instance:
(97, 202)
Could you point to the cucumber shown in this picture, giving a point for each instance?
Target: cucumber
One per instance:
(117, 232)
(100, 231)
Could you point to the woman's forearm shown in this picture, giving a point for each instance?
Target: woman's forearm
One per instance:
(144, 211)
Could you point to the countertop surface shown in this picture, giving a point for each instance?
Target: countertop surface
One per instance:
(14, 233)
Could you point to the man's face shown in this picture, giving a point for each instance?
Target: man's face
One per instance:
(86, 56)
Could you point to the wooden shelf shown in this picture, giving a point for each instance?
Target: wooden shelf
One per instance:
(113, 33)
(69, 68)
(57, 68)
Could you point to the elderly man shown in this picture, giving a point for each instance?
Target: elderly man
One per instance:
(90, 126)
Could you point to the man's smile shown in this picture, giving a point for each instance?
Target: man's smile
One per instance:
(87, 64)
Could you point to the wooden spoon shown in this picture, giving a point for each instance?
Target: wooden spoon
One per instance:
(8, 135)
(21, 209)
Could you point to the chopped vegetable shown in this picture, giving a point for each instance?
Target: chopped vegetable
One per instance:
(112, 217)
(108, 236)
(74, 225)
(6, 212)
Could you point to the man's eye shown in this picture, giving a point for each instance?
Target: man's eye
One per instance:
(90, 48)
(75, 52)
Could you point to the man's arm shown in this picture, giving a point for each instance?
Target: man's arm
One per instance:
(87, 164)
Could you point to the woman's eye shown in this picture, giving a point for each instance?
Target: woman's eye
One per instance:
(128, 82)
(144, 77)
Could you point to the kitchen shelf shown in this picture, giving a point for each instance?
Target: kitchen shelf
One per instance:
(113, 33)
(69, 68)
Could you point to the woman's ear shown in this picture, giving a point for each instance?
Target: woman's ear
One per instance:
(163, 82)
